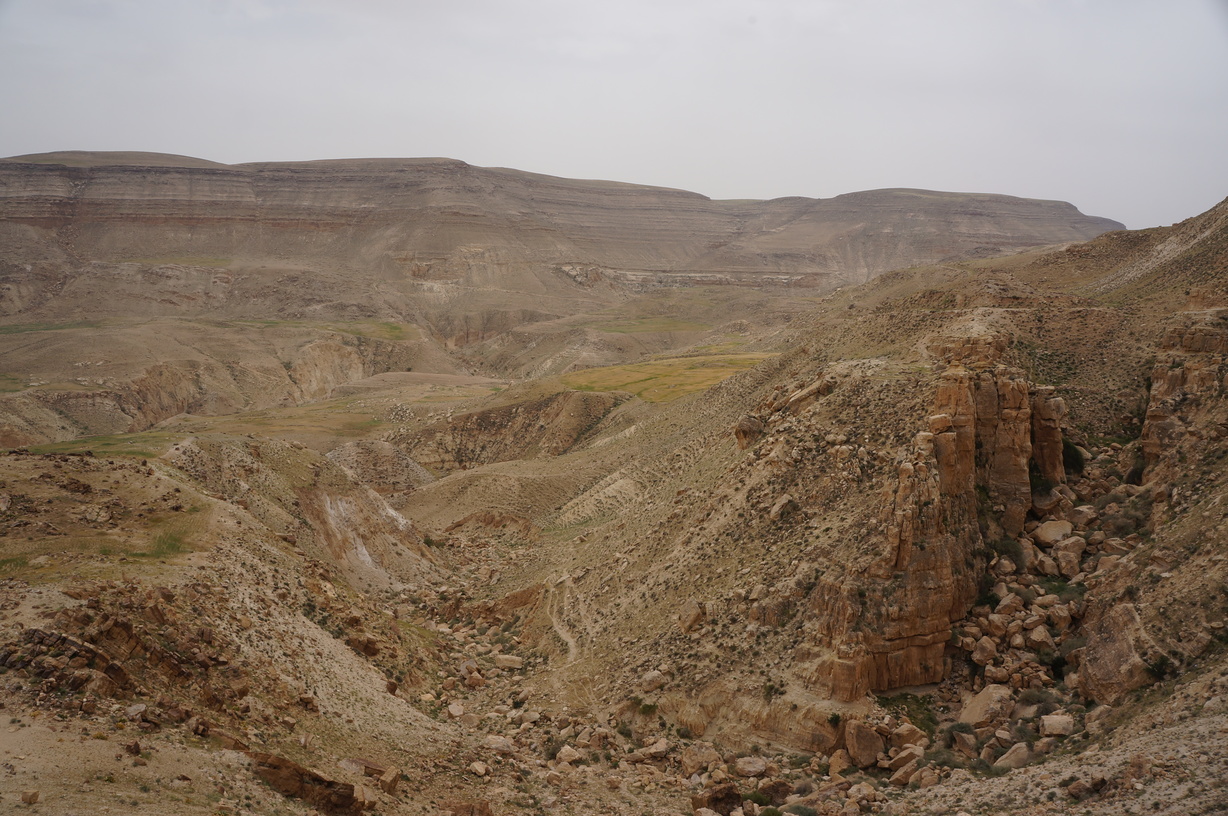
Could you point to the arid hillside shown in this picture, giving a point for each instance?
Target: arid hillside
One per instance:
(952, 539)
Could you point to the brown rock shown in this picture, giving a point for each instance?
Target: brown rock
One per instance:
(750, 766)
(30, 797)
(840, 762)
(907, 734)
(1051, 532)
(719, 798)
(1111, 665)
(776, 790)
(698, 757)
(291, 779)
(1079, 790)
(389, 780)
(964, 743)
(1056, 725)
(863, 743)
(1016, 756)
(985, 651)
(911, 754)
(903, 775)
(992, 703)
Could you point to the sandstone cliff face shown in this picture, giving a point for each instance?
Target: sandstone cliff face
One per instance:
(1151, 612)
(973, 461)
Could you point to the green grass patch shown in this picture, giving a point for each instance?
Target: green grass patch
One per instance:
(166, 544)
(663, 380)
(146, 445)
(10, 383)
(13, 564)
(919, 710)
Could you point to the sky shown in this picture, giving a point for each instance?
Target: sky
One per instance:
(1118, 106)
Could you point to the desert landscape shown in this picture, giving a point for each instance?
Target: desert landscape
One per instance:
(415, 487)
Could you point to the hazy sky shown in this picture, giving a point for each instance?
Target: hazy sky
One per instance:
(1119, 106)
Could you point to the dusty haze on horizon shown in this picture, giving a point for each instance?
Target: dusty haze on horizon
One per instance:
(1118, 107)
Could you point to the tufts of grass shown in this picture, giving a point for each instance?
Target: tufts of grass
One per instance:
(663, 380)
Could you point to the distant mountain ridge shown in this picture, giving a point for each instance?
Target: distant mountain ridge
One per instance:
(407, 221)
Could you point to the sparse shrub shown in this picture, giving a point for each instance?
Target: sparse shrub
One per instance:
(801, 810)
(1008, 547)
(756, 796)
(1072, 458)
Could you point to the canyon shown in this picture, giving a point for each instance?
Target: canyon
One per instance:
(413, 486)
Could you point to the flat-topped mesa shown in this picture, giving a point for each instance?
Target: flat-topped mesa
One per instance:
(415, 218)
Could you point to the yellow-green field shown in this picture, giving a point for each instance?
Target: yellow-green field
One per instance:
(145, 445)
(663, 380)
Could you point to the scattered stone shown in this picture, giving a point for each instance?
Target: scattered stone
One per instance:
(1016, 756)
(504, 661)
(651, 681)
(698, 757)
(568, 754)
(1056, 725)
(721, 799)
(862, 743)
(750, 766)
(992, 703)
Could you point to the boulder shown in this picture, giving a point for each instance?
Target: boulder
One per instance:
(840, 762)
(1056, 725)
(904, 774)
(777, 791)
(992, 703)
(750, 766)
(691, 615)
(912, 753)
(698, 757)
(500, 745)
(985, 651)
(568, 754)
(863, 743)
(721, 799)
(964, 744)
(907, 734)
(291, 779)
(1112, 666)
(651, 681)
(506, 661)
(30, 797)
(1051, 532)
(1016, 756)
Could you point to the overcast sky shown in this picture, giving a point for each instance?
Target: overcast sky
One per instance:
(1118, 106)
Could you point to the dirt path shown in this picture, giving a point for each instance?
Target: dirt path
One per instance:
(556, 607)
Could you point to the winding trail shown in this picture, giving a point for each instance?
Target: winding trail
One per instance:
(559, 600)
